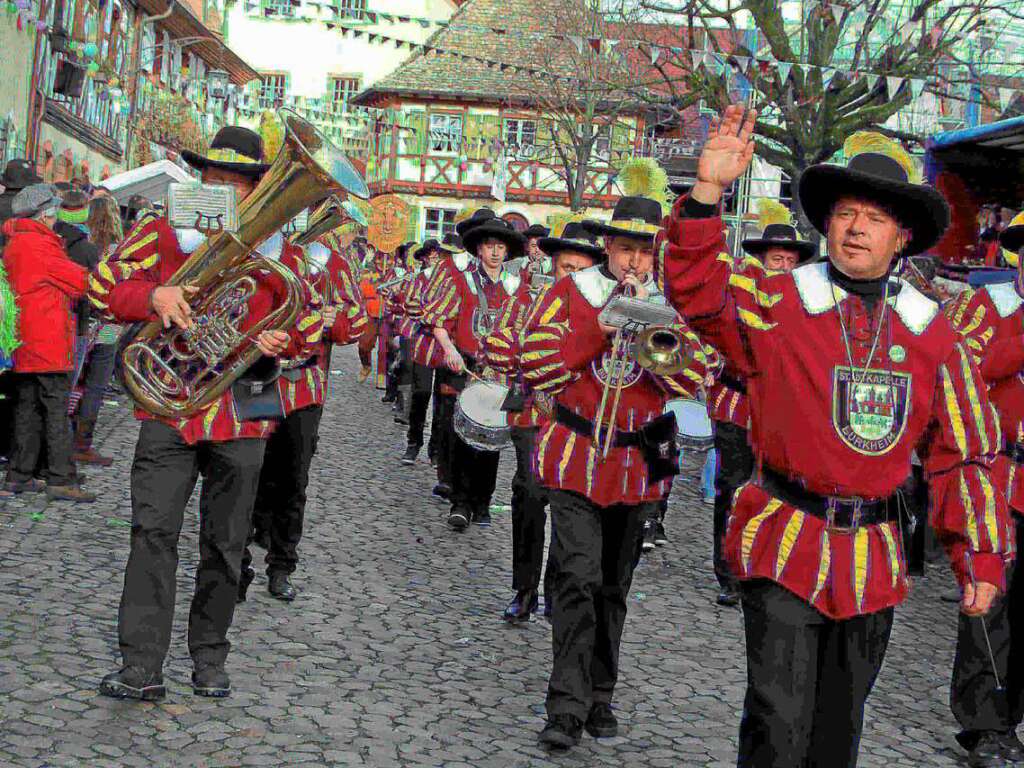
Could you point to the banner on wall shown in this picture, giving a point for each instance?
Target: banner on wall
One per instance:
(390, 217)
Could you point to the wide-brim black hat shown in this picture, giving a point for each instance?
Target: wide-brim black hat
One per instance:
(638, 217)
(1012, 238)
(235, 149)
(496, 228)
(451, 243)
(536, 230)
(780, 236)
(480, 216)
(424, 250)
(18, 174)
(575, 237)
(882, 180)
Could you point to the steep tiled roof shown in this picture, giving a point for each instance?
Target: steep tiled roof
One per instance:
(525, 45)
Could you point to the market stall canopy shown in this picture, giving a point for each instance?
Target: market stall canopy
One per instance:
(150, 181)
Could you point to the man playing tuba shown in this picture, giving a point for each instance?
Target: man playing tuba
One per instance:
(215, 442)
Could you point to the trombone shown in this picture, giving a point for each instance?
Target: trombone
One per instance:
(658, 349)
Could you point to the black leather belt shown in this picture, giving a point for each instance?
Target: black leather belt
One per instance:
(838, 512)
(1015, 451)
(585, 428)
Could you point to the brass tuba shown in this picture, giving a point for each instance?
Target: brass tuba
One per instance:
(175, 373)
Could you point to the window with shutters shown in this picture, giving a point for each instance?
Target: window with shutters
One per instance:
(273, 87)
(520, 139)
(280, 8)
(342, 90)
(351, 9)
(445, 134)
(438, 222)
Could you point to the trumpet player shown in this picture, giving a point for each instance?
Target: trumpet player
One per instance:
(573, 250)
(280, 505)
(599, 501)
(216, 443)
(866, 369)
(461, 313)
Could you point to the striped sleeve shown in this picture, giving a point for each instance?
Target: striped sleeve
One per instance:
(973, 320)
(968, 514)
(134, 258)
(553, 351)
(443, 300)
(349, 299)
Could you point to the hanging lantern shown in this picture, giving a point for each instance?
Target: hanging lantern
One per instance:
(93, 68)
(40, 26)
(12, 7)
(115, 82)
(90, 50)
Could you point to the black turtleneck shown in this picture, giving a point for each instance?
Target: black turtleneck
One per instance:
(869, 289)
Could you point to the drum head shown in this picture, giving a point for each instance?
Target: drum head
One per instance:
(481, 401)
(692, 422)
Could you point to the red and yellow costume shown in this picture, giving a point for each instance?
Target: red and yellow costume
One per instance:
(837, 430)
(566, 354)
(991, 322)
(122, 288)
(304, 381)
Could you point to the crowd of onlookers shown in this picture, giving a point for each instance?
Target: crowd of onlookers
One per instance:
(53, 383)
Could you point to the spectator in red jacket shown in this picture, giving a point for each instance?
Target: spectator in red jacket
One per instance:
(45, 283)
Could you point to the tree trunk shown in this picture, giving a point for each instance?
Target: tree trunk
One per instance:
(799, 217)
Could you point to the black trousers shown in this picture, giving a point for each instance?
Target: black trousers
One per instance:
(422, 380)
(595, 551)
(735, 466)
(807, 680)
(444, 414)
(41, 419)
(529, 502)
(164, 475)
(474, 475)
(973, 698)
(8, 389)
(281, 495)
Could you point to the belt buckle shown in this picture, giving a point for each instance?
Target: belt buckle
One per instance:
(830, 513)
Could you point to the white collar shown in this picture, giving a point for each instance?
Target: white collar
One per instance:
(1004, 297)
(596, 286)
(818, 294)
(462, 261)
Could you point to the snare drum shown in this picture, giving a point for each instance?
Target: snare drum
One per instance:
(693, 426)
(479, 419)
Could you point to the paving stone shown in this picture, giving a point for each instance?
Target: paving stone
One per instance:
(394, 653)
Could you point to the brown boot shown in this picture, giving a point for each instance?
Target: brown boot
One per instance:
(70, 493)
(84, 453)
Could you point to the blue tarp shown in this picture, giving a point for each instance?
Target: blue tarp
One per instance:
(976, 135)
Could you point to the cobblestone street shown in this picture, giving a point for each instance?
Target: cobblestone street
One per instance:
(395, 653)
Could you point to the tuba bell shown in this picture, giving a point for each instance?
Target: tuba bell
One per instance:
(174, 372)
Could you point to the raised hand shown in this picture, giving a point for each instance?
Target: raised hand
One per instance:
(726, 155)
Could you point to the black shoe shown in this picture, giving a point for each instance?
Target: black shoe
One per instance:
(482, 517)
(211, 680)
(443, 491)
(280, 586)
(389, 397)
(248, 574)
(1013, 749)
(458, 519)
(523, 605)
(648, 542)
(410, 455)
(660, 539)
(134, 683)
(728, 597)
(561, 732)
(601, 722)
(986, 750)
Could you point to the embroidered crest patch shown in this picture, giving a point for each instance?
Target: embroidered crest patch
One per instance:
(603, 367)
(870, 408)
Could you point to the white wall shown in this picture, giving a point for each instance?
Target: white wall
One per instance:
(310, 53)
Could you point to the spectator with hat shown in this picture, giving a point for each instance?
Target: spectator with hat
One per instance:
(45, 283)
(18, 174)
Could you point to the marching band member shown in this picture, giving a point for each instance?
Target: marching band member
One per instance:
(170, 455)
(599, 504)
(866, 369)
(990, 321)
(574, 250)
(778, 249)
(462, 313)
(389, 360)
(302, 387)
(534, 260)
